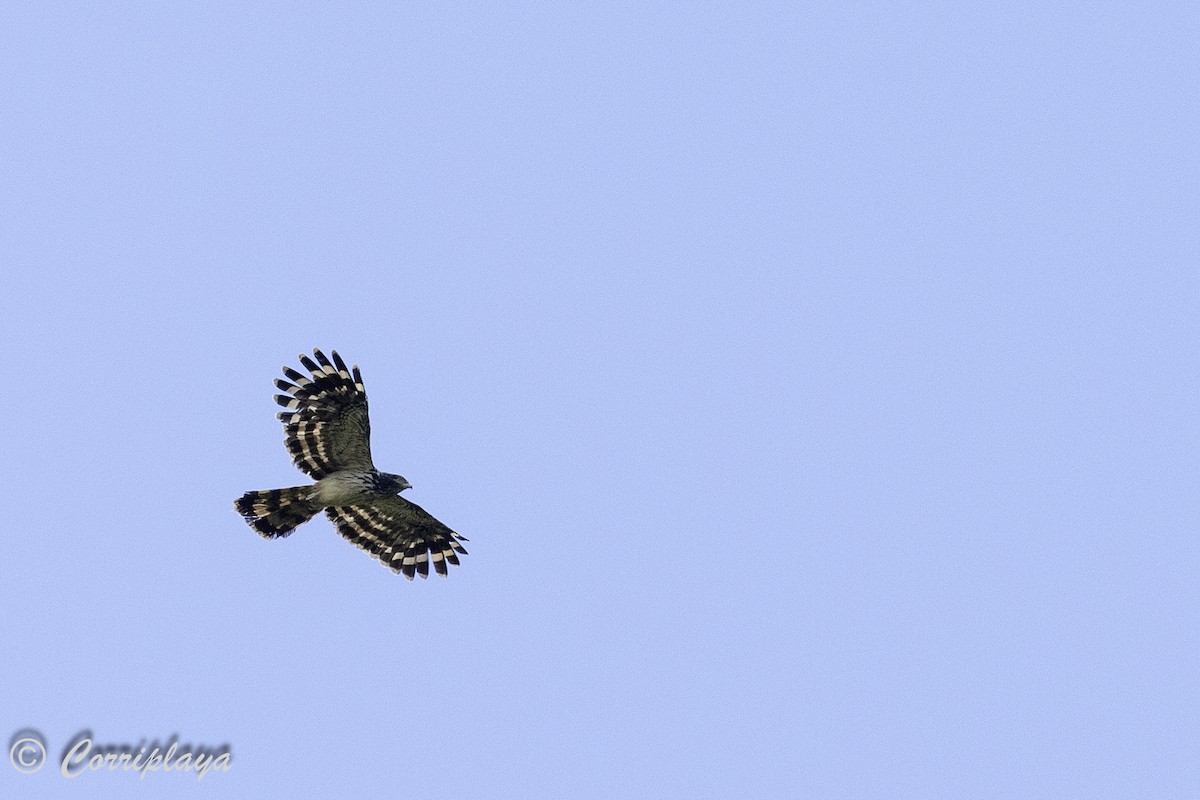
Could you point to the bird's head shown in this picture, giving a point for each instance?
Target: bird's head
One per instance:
(394, 483)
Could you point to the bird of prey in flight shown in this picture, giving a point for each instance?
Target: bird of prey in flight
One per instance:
(329, 436)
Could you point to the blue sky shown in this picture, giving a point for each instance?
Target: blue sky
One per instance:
(816, 385)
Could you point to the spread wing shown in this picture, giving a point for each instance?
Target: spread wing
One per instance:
(402, 535)
(326, 427)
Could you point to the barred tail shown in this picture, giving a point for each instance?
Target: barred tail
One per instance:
(276, 512)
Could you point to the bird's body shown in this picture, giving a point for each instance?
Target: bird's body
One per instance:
(352, 487)
(328, 434)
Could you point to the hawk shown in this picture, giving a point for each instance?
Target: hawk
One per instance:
(329, 436)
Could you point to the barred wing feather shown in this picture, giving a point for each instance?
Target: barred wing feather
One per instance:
(402, 535)
(326, 427)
